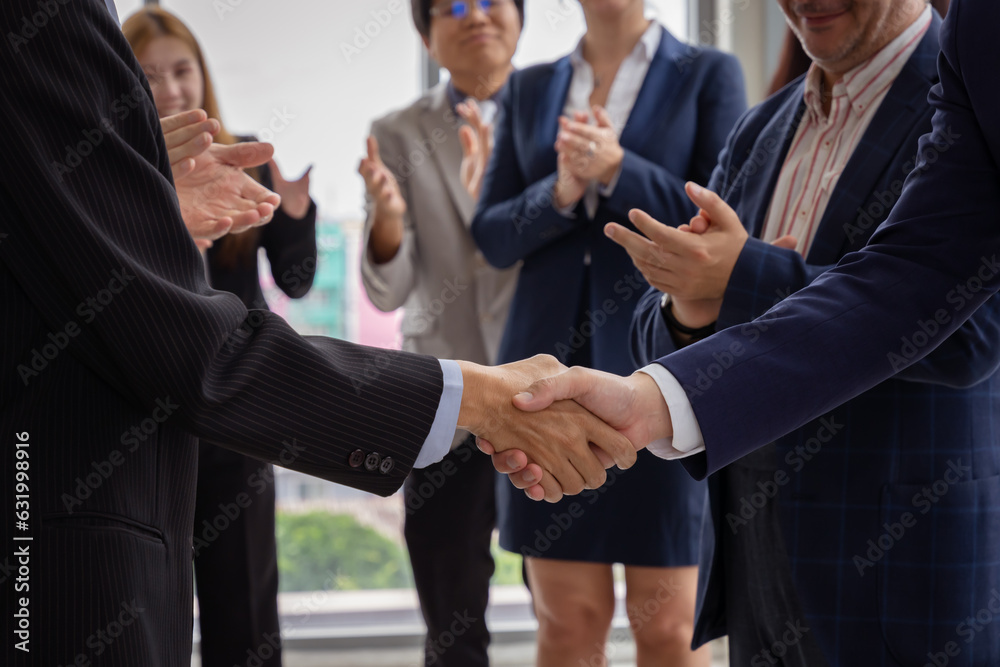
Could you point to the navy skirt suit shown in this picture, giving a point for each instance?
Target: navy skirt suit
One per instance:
(580, 312)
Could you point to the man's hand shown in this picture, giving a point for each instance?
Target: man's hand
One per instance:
(390, 207)
(477, 147)
(294, 194)
(682, 264)
(188, 135)
(217, 197)
(633, 406)
(558, 440)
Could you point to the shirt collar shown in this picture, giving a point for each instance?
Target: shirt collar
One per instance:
(645, 49)
(864, 83)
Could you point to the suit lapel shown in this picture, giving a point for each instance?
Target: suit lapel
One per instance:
(656, 94)
(903, 106)
(757, 182)
(447, 154)
(548, 98)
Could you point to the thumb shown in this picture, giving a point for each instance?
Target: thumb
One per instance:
(275, 172)
(787, 242)
(712, 206)
(373, 149)
(602, 117)
(545, 392)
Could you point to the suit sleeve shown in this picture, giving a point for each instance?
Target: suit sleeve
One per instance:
(933, 259)
(92, 214)
(290, 245)
(389, 284)
(513, 218)
(764, 275)
(645, 184)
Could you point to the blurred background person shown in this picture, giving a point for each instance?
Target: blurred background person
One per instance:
(419, 254)
(236, 574)
(622, 122)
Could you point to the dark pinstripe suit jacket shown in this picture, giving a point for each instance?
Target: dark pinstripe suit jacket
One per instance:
(874, 591)
(116, 355)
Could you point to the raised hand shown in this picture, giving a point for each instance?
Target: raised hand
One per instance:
(294, 194)
(558, 440)
(633, 406)
(477, 147)
(217, 197)
(188, 135)
(593, 150)
(388, 202)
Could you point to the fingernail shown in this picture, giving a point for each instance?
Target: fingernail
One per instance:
(696, 189)
(524, 396)
(609, 231)
(512, 461)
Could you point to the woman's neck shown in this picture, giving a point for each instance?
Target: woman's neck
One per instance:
(611, 40)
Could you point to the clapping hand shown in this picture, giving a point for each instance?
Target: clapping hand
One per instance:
(216, 196)
(477, 147)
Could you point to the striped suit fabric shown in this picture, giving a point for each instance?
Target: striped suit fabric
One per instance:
(116, 356)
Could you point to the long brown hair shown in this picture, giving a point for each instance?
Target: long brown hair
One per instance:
(151, 23)
(793, 61)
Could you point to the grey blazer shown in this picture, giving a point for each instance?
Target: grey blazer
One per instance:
(455, 303)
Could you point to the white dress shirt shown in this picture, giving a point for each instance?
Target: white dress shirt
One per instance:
(820, 150)
(622, 95)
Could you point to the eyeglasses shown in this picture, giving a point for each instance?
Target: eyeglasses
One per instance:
(459, 9)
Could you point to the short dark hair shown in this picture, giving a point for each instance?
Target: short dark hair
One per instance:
(422, 15)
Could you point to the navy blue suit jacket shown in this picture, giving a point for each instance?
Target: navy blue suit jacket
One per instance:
(891, 501)
(688, 103)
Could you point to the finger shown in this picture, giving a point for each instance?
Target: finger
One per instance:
(562, 386)
(373, 153)
(203, 244)
(245, 154)
(512, 460)
(182, 168)
(652, 228)
(602, 117)
(182, 119)
(713, 207)
(605, 460)
(526, 477)
(586, 132)
(699, 225)
(469, 141)
(275, 171)
(551, 490)
(536, 492)
(581, 117)
(787, 242)
(636, 245)
(184, 134)
(615, 445)
(485, 446)
(189, 148)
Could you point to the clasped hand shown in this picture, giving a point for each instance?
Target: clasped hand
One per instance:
(563, 427)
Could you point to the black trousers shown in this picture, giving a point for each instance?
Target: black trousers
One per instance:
(450, 517)
(236, 561)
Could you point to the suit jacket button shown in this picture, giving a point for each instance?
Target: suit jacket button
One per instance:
(387, 465)
(357, 458)
(371, 463)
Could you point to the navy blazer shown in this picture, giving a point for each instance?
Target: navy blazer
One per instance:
(688, 103)
(890, 503)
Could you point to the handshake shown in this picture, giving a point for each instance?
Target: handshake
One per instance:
(555, 430)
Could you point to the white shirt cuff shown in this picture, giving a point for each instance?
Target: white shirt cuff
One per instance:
(687, 439)
(438, 442)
